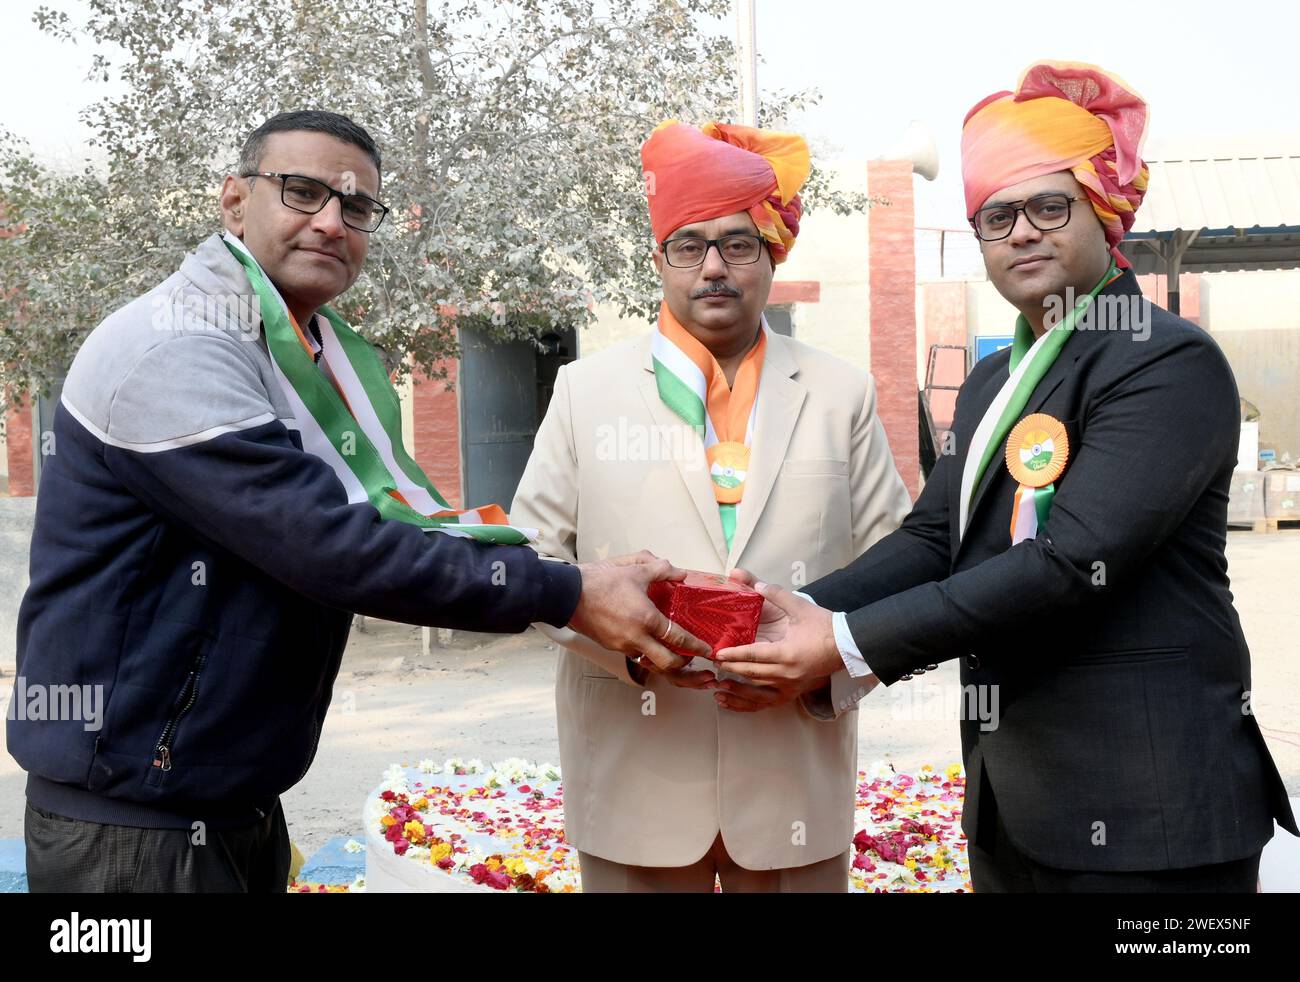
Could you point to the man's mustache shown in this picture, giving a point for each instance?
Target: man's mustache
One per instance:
(720, 290)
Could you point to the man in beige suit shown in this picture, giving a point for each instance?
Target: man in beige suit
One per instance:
(716, 444)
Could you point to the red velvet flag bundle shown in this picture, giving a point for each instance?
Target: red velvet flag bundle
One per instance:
(719, 611)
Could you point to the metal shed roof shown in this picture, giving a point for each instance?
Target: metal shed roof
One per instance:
(1221, 205)
(1230, 185)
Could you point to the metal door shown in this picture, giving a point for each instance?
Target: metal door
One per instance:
(504, 388)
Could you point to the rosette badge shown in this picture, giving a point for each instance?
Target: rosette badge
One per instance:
(728, 467)
(1037, 452)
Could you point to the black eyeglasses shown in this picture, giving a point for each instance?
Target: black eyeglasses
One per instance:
(736, 250)
(1046, 212)
(309, 196)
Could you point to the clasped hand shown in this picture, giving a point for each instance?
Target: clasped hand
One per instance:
(794, 651)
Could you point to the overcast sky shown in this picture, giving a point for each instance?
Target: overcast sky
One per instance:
(1209, 69)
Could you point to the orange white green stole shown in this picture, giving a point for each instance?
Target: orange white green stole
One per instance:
(691, 383)
(350, 418)
(1036, 447)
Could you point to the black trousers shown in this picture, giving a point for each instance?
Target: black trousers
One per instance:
(67, 855)
(1000, 867)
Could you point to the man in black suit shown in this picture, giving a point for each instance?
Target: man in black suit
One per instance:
(1071, 549)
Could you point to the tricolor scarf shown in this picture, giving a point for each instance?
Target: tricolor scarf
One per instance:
(1030, 360)
(352, 420)
(692, 384)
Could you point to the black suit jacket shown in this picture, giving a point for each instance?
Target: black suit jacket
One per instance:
(1123, 739)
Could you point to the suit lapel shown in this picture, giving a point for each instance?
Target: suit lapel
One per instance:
(779, 398)
(1060, 370)
(691, 465)
(991, 388)
(1063, 367)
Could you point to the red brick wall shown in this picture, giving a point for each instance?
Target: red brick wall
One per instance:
(18, 435)
(892, 278)
(1189, 293)
(945, 323)
(795, 291)
(436, 437)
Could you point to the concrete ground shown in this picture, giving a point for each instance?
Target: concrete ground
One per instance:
(493, 698)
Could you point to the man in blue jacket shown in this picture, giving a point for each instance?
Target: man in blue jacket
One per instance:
(201, 546)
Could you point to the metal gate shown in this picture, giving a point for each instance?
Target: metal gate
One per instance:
(43, 428)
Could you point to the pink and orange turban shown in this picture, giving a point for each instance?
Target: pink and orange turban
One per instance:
(695, 175)
(1063, 116)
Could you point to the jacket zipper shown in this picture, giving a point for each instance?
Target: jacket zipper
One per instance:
(162, 750)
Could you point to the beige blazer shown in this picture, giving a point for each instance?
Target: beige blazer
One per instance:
(652, 775)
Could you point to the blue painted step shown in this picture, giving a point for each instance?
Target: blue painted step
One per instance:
(332, 864)
(13, 866)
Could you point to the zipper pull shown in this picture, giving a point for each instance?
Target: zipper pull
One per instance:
(164, 760)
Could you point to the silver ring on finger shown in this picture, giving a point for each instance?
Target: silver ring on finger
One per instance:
(664, 636)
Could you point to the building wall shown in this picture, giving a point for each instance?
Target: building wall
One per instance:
(18, 451)
(1255, 317)
(958, 311)
(4, 461)
(941, 320)
(607, 329)
(832, 250)
(987, 312)
(1189, 289)
(436, 432)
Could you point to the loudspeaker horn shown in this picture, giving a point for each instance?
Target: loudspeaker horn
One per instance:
(918, 146)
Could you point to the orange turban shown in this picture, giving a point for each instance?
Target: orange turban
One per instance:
(695, 175)
(1063, 116)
